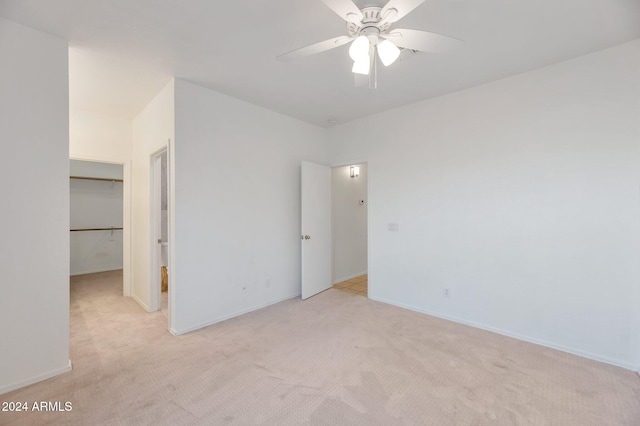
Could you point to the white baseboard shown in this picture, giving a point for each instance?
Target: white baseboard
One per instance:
(518, 336)
(73, 274)
(140, 302)
(339, 280)
(233, 315)
(35, 379)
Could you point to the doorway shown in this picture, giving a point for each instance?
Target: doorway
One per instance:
(349, 186)
(96, 196)
(334, 228)
(160, 244)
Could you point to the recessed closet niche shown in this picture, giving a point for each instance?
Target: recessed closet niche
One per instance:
(96, 203)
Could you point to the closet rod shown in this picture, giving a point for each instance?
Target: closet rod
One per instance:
(96, 178)
(96, 229)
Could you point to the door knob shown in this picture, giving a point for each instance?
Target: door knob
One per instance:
(307, 237)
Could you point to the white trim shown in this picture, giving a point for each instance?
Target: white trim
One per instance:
(155, 295)
(36, 379)
(518, 336)
(140, 302)
(155, 171)
(96, 271)
(171, 212)
(154, 229)
(127, 270)
(232, 315)
(339, 280)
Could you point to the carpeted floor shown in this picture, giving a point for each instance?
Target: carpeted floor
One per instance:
(335, 359)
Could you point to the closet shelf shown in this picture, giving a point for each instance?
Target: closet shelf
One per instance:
(96, 178)
(96, 229)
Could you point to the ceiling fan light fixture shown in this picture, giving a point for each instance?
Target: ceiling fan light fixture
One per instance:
(359, 48)
(362, 65)
(388, 52)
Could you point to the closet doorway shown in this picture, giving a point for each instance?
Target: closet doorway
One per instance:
(349, 189)
(97, 237)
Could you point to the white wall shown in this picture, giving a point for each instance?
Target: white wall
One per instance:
(152, 129)
(349, 223)
(521, 196)
(95, 204)
(99, 137)
(34, 167)
(237, 219)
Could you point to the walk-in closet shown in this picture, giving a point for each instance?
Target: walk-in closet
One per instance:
(96, 219)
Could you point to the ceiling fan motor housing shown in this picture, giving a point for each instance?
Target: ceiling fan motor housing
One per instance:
(370, 25)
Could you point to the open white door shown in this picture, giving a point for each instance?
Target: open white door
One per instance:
(316, 228)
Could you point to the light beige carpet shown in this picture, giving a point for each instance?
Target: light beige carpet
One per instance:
(335, 359)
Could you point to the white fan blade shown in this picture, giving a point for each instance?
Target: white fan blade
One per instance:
(423, 41)
(403, 7)
(406, 55)
(315, 48)
(346, 9)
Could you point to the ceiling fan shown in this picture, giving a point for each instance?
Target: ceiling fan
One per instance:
(370, 33)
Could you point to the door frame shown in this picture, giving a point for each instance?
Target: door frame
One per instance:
(126, 214)
(350, 163)
(155, 223)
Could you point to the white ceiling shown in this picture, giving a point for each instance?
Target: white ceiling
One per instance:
(123, 51)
